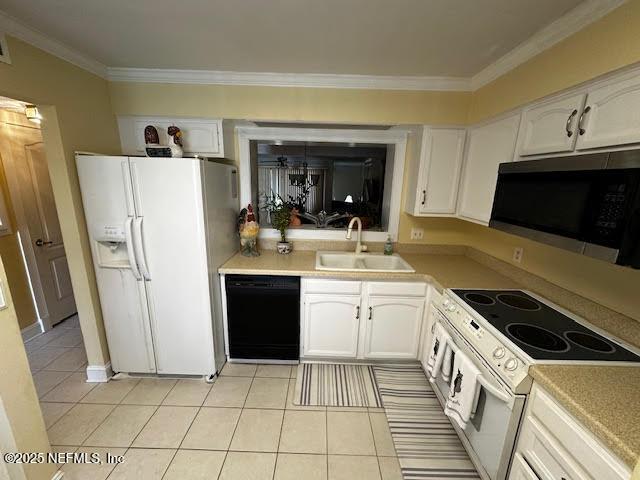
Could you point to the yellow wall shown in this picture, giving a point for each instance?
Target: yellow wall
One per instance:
(10, 250)
(77, 116)
(18, 396)
(290, 104)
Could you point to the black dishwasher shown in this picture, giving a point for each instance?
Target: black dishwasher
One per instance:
(263, 317)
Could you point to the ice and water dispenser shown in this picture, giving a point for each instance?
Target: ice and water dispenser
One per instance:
(111, 245)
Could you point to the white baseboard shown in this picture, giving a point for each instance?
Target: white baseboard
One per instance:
(99, 373)
(58, 475)
(31, 331)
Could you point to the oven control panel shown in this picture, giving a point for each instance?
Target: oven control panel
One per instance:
(509, 366)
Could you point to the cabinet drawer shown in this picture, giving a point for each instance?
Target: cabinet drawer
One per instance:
(401, 289)
(341, 287)
(543, 453)
(579, 443)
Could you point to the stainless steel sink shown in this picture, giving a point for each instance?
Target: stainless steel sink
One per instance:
(364, 262)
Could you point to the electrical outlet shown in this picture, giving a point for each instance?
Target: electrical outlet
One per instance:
(517, 254)
(417, 233)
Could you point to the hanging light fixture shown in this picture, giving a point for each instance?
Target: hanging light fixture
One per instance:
(32, 113)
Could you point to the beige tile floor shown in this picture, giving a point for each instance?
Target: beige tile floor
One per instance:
(243, 427)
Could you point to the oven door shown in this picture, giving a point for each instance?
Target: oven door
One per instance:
(490, 435)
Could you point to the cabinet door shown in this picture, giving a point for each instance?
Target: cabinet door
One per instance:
(489, 146)
(612, 115)
(440, 171)
(551, 127)
(393, 327)
(331, 324)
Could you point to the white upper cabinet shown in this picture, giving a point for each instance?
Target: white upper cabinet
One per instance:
(489, 145)
(551, 127)
(393, 327)
(435, 172)
(612, 115)
(200, 136)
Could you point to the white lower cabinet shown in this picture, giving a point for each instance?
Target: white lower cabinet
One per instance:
(331, 325)
(392, 327)
(553, 445)
(382, 322)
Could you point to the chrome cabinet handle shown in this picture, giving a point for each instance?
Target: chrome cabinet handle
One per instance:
(370, 312)
(424, 197)
(357, 312)
(40, 243)
(567, 127)
(581, 129)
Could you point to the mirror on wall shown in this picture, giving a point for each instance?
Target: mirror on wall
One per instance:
(324, 183)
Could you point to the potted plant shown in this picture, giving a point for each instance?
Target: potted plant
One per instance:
(280, 214)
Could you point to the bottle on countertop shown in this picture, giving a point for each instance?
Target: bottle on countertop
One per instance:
(388, 246)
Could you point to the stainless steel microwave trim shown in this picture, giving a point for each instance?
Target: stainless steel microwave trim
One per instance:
(565, 243)
(589, 249)
(592, 161)
(624, 159)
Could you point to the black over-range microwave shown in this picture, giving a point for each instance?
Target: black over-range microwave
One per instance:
(588, 204)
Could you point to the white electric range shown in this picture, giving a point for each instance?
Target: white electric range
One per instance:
(505, 332)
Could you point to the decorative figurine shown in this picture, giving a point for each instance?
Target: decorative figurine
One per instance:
(248, 229)
(151, 135)
(176, 143)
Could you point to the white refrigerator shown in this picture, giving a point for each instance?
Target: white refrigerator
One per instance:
(159, 229)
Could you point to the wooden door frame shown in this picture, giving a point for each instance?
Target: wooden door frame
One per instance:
(26, 242)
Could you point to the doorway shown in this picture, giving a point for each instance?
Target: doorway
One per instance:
(30, 237)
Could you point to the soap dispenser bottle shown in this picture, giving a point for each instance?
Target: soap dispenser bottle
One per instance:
(388, 246)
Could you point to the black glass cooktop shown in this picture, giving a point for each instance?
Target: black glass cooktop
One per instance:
(540, 331)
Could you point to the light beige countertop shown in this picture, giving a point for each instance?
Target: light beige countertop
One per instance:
(444, 271)
(605, 399)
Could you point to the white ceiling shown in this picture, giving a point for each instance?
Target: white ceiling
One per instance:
(455, 38)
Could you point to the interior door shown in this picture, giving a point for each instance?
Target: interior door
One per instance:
(331, 325)
(36, 195)
(170, 225)
(393, 327)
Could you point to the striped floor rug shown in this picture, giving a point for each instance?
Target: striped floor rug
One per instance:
(336, 385)
(426, 443)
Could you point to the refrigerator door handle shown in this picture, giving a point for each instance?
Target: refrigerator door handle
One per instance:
(137, 196)
(139, 247)
(128, 190)
(130, 248)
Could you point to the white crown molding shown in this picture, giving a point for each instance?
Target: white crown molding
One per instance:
(317, 80)
(15, 28)
(571, 22)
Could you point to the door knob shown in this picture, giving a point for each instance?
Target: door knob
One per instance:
(40, 242)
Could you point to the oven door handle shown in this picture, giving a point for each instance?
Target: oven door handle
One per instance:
(482, 380)
(499, 394)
